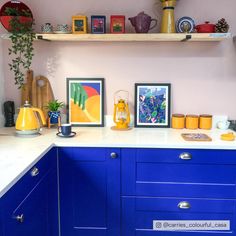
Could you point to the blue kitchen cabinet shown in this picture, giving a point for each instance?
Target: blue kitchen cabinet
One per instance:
(30, 206)
(1, 218)
(89, 191)
(177, 184)
(121, 191)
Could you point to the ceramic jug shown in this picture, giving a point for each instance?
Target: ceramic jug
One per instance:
(142, 22)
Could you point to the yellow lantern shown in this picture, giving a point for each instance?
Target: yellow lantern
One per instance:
(121, 115)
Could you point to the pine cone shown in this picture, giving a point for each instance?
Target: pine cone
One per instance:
(222, 26)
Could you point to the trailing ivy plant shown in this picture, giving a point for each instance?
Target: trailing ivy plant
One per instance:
(22, 37)
(12, 11)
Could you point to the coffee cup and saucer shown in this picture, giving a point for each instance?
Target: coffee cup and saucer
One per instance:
(64, 131)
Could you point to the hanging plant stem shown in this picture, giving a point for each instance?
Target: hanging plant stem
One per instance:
(22, 37)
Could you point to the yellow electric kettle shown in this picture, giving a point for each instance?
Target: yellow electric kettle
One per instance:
(27, 121)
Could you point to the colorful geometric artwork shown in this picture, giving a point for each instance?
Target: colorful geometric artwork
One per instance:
(85, 98)
(79, 24)
(152, 105)
(98, 24)
(117, 24)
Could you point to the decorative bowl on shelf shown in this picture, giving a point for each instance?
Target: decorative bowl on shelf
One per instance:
(205, 28)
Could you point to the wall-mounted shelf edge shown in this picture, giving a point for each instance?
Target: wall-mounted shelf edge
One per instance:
(176, 37)
(158, 37)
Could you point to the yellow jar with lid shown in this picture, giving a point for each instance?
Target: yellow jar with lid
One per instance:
(178, 121)
(192, 121)
(205, 121)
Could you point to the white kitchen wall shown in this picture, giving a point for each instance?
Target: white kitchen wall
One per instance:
(202, 74)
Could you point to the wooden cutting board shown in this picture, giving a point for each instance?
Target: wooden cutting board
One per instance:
(196, 137)
(26, 90)
(41, 92)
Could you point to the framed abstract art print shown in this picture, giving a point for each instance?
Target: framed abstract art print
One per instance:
(85, 99)
(152, 105)
(79, 25)
(98, 24)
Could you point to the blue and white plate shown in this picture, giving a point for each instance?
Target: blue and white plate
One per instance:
(185, 25)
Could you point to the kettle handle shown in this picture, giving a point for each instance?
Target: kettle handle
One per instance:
(154, 24)
(42, 116)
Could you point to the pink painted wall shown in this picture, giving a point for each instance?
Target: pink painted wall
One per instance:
(2, 97)
(202, 74)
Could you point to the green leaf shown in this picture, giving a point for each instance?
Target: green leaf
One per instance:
(22, 38)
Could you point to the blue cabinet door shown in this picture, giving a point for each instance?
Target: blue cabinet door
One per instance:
(89, 191)
(34, 210)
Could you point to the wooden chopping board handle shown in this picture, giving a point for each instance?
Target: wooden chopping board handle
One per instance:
(41, 92)
(26, 91)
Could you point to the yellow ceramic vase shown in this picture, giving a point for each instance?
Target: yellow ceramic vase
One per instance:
(168, 19)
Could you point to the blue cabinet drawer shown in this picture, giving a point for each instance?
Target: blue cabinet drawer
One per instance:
(138, 214)
(204, 156)
(160, 172)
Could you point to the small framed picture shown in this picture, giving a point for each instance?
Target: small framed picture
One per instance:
(152, 105)
(98, 24)
(85, 99)
(79, 24)
(117, 24)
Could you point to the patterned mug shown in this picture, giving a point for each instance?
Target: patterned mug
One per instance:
(63, 28)
(47, 28)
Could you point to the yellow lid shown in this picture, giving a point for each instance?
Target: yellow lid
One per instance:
(192, 116)
(206, 115)
(228, 137)
(178, 115)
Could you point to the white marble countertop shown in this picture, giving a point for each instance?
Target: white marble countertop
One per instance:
(18, 154)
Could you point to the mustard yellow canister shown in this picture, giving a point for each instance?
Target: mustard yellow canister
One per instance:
(205, 121)
(192, 121)
(178, 121)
